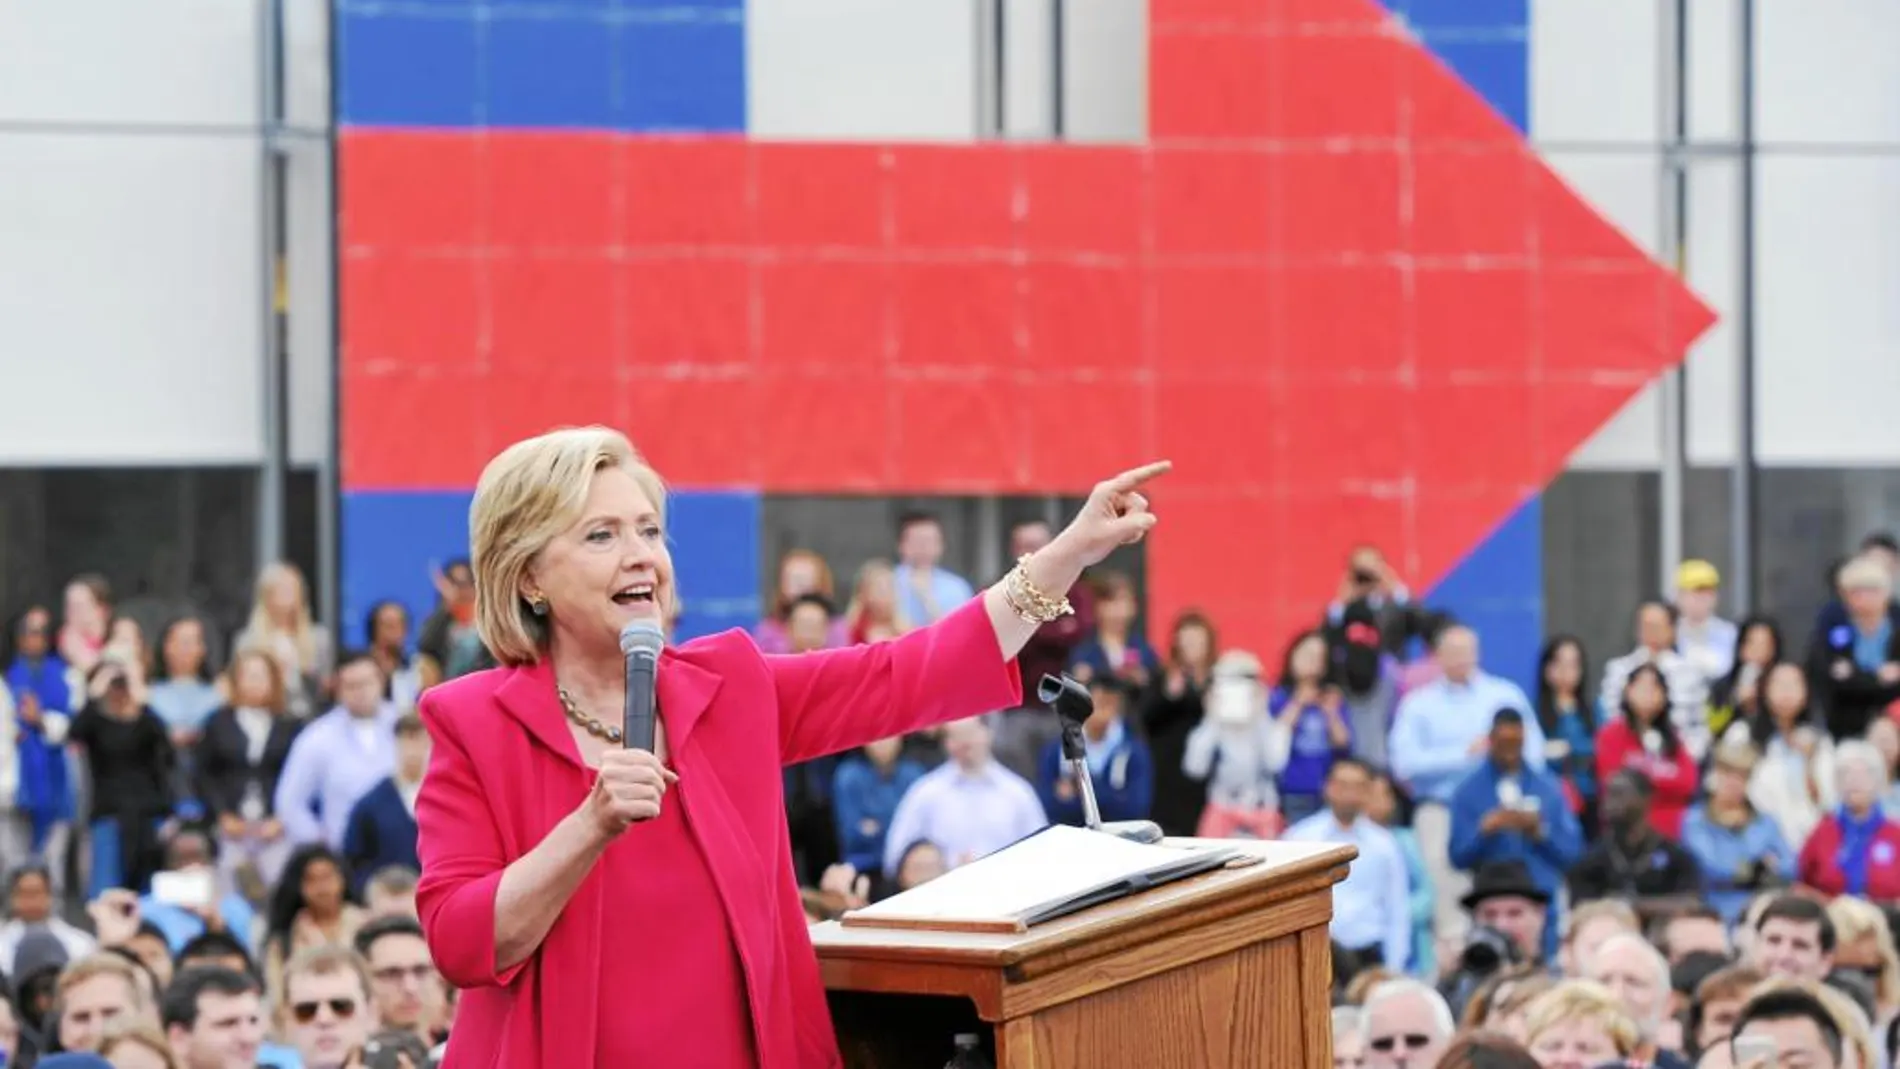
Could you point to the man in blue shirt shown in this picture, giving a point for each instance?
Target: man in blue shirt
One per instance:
(1371, 907)
(1507, 811)
(1441, 733)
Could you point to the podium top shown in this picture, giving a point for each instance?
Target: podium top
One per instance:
(1286, 870)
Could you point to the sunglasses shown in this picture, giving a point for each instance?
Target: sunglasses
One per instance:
(342, 1008)
(1410, 1040)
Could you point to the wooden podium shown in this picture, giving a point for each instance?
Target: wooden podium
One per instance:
(1230, 968)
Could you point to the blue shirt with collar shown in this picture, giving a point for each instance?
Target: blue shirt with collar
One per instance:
(1437, 724)
(1371, 906)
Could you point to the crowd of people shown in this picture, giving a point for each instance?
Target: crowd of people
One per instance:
(213, 857)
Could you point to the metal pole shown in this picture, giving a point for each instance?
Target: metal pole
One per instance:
(1058, 50)
(991, 108)
(271, 475)
(329, 482)
(1673, 213)
(1743, 476)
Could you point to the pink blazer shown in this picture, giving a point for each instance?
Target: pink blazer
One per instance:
(496, 785)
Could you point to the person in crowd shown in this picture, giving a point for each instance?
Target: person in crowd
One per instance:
(1716, 1006)
(1633, 859)
(1646, 739)
(926, 590)
(138, 1045)
(43, 701)
(1739, 848)
(1169, 714)
(1115, 648)
(1735, 698)
(1794, 782)
(31, 908)
(1506, 900)
(129, 761)
(448, 636)
(281, 625)
(1798, 1024)
(1579, 1025)
(214, 1018)
(180, 916)
(1439, 735)
(1884, 735)
(1590, 923)
(1569, 725)
(1486, 1050)
(338, 758)
(405, 988)
(1370, 915)
(1309, 712)
(865, 792)
(1499, 1004)
(382, 825)
(327, 1005)
(1631, 970)
(1864, 946)
(390, 891)
(240, 761)
(386, 628)
(1854, 666)
(966, 807)
(86, 615)
(801, 573)
(216, 948)
(1120, 767)
(1704, 639)
(310, 906)
(1794, 938)
(1238, 751)
(126, 646)
(1348, 1037)
(1407, 1025)
(1387, 806)
(875, 613)
(183, 690)
(570, 545)
(917, 864)
(1507, 811)
(1684, 685)
(1855, 850)
(92, 993)
(1370, 581)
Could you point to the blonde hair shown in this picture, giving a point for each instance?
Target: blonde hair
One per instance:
(260, 627)
(1856, 919)
(1585, 1001)
(327, 959)
(96, 964)
(1865, 573)
(133, 1032)
(530, 493)
(1866, 753)
(1613, 909)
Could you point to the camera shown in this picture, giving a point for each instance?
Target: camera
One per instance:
(1487, 952)
(383, 1048)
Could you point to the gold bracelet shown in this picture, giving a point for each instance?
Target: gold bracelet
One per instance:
(1028, 601)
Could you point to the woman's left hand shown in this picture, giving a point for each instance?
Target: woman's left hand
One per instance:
(1115, 515)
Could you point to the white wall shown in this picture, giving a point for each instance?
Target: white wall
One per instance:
(862, 69)
(130, 273)
(1827, 223)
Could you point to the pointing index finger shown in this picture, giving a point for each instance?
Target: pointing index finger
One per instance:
(1134, 477)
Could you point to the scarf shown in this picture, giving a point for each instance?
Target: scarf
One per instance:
(1857, 839)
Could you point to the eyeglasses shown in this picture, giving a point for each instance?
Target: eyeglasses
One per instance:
(391, 974)
(1410, 1040)
(342, 1008)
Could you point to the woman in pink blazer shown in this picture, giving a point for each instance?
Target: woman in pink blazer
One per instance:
(602, 905)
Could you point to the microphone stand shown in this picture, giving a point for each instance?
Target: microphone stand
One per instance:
(1072, 703)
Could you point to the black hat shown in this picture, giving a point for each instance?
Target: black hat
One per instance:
(1497, 879)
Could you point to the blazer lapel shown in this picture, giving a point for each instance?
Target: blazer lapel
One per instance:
(528, 695)
(685, 691)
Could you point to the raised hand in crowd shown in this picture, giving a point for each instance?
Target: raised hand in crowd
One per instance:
(845, 881)
(115, 916)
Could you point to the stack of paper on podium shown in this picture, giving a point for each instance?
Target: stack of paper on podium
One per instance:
(1052, 873)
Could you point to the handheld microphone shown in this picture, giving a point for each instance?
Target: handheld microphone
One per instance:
(640, 642)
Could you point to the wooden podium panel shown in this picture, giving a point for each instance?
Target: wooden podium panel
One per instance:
(1230, 968)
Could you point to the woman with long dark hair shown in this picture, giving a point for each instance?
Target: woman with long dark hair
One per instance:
(1794, 781)
(1169, 714)
(1644, 738)
(1735, 698)
(311, 906)
(1569, 724)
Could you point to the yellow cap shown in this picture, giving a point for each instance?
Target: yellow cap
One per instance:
(1697, 575)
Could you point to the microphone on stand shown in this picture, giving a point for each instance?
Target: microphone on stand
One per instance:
(640, 642)
(1072, 703)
